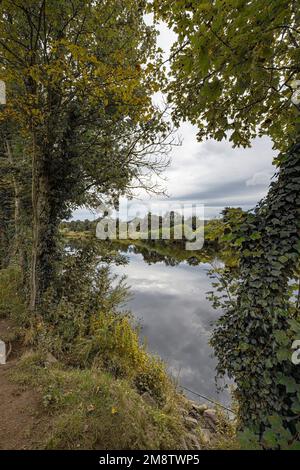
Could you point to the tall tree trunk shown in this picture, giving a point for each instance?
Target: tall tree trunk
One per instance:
(18, 245)
(45, 228)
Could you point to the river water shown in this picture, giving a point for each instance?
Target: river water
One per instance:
(169, 301)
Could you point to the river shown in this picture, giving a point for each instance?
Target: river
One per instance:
(169, 301)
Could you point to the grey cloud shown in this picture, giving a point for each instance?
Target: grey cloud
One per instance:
(259, 179)
(235, 193)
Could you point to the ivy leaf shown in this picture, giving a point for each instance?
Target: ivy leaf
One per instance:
(275, 421)
(255, 236)
(270, 439)
(290, 384)
(281, 337)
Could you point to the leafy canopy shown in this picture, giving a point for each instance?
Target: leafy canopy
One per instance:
(233, 65)
(79, 78)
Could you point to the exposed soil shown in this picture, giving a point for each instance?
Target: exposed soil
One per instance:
(22, 424)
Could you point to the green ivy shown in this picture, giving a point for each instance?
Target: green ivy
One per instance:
(253, 339)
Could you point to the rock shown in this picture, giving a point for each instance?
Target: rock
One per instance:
(200, 408)
(190, 423)
(194, 414)
(192, 441)
(211, 418)
(184, 411)
(197, 410)
(211, 415)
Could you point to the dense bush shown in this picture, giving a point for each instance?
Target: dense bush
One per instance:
(12, 303)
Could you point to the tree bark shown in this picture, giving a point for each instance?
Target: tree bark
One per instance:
(44, 229)
(18, 247)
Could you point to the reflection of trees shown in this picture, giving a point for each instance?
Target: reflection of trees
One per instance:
(171, 253)
(152, 256)
(193, 261)
(100, 250)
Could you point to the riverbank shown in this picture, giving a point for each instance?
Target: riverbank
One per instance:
(48, 404)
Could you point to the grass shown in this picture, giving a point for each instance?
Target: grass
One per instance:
(90, 409)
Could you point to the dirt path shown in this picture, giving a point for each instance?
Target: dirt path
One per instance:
(21, 420)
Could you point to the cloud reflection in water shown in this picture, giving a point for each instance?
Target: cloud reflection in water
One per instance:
(170, 303)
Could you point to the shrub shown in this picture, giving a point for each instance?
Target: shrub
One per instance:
(12, 302)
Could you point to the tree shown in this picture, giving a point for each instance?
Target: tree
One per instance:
(79, 78)
(233, 68)
(6, 217)
(15, 194)
(233, 65)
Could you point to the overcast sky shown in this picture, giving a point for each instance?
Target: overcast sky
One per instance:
(212, 172)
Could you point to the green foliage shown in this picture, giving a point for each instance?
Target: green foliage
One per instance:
(79, 115)
(276, 437)
(90, 409)
(6, 212)
(113, 343)
(233, 64)
(12, 302)
(253, 340)
(87, 326)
